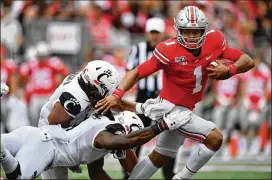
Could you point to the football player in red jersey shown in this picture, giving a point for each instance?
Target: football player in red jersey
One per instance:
(185, 63)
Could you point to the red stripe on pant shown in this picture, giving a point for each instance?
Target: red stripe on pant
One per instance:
(198, 138)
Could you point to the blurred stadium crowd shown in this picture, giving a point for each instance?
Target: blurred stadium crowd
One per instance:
(42, 41)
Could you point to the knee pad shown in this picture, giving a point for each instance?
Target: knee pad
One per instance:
(166, 152)
(168, 143)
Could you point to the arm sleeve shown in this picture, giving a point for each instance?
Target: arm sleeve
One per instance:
(228, 52)
(150, 66)
(231, 53)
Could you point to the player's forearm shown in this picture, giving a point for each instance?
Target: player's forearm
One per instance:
(127, 106)
(129, 80)
(136, 138)
(244, 64)
(139, 137)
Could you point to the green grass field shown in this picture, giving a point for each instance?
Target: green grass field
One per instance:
(200, 175)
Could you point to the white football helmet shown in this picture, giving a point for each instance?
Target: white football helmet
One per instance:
(130, 121)
(102, 75)
(191, 17)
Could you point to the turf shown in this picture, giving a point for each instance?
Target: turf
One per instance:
(200, 175)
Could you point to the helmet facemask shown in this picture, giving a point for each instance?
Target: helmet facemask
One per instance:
(189, 42)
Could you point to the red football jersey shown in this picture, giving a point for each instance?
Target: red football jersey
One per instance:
(7, 69)
(256, 83)
(227, 90)
(184, 75)
(42, 75)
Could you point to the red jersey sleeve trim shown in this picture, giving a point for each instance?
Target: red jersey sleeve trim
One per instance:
(160, 56)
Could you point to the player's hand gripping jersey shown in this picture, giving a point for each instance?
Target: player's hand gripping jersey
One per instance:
(184, 75)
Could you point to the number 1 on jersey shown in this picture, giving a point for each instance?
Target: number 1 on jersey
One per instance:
(198, 75)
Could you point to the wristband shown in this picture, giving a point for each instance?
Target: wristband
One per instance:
(118, 93)
(156, 128)
(232, 69)
(159, 127)
(139, 109)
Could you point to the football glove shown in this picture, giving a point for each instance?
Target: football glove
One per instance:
(141, 107)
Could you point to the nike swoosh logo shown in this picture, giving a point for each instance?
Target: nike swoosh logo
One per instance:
(208, 57)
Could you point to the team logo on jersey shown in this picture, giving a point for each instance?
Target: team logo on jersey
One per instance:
(181, 60)
(70, 103)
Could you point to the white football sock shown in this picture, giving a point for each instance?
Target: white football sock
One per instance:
(8, 162)
(198, 158)
(144, 169)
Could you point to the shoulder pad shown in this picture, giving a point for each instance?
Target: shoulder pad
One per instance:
(163, 49)
(218, 38)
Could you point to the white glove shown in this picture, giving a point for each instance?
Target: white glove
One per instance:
(158, 110)
(4, 89)
(177, 118)
(140, 107)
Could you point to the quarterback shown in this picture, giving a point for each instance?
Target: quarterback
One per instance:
(186, 64)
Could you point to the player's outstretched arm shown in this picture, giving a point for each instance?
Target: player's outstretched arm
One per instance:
(129, 80)
(111, 101)
(110, 141)
(125, 106)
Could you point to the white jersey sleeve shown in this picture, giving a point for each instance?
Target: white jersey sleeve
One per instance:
(70, 95)
(73, 98)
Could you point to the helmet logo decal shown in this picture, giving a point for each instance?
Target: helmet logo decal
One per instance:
(107, 73)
